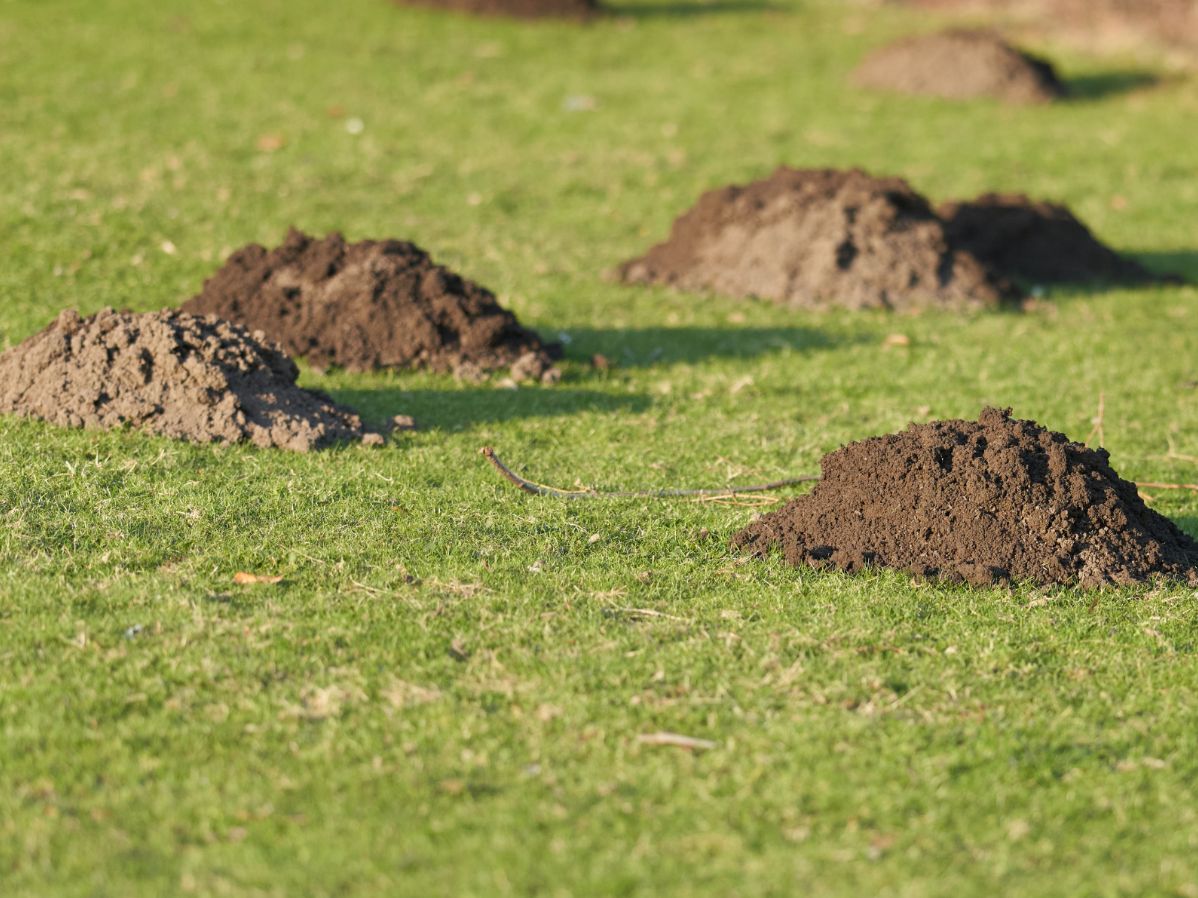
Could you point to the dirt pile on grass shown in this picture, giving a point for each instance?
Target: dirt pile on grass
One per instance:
(815, 238)
(169, 373)
(992, 500)
(372, 304)
(1035, 241)
(521, 9)
(960, 64)
(1099, 23)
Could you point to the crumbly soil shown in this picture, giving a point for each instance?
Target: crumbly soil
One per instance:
(818, 238)
(981, 502)
(522, 9)
(170, 373)
(368, 305)
(960, 64)
(1036, 241)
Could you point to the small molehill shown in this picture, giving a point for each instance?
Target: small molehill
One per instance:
(1036, 241)
(369, 305)
(960, 64)
(986, 501)
(818, 238)
(520, 9)
(1095, 24)
(170, 373)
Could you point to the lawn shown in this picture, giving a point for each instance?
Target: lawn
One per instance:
(444, 695)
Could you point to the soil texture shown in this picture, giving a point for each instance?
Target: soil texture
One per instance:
(817, 238)
(521, 9)
(981, 502)
(1036, 241)
(960, 64)
(368, 305)
(171, 373)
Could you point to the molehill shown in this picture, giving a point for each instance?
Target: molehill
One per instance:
(819, 238)
(1036, 241)
(521, 9)
(371, 304)
(1095, 23)
(960, 64)
(815, 238)
(986, 501)
(169, 373)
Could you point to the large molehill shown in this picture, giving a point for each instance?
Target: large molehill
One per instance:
(960, 64)
(986, 501)
(169, 373)
(819, 238)
(368, 305)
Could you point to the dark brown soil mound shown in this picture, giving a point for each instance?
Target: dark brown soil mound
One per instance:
(522, 9)
(373, 304)
(994, 500)
(1035, 241)
(960, 64)
(815, 238)
(170, 373)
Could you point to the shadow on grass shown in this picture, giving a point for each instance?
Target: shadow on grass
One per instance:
(1101, 85)
(689, 10)
(1182, 264)
(457, 409)
(1187, 522)
(641, 347)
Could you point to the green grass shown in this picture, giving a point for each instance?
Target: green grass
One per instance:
(444, 696)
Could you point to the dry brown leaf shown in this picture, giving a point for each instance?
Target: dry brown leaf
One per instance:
(896, 340)
(268, 143)
(243, 578)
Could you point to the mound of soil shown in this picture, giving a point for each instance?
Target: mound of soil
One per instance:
(986, 501)
(522, 9)
(170, 373)
(1098, 23)
(1035, 241)
(367, 305)
(960, 64)
(815, 238)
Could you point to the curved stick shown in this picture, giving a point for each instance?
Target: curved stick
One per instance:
(539, 489)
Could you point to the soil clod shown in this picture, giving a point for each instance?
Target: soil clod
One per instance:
(817, 238)
(369, 305)
(171, 373)
(981, 502)
(961, 64)
(1036, 241)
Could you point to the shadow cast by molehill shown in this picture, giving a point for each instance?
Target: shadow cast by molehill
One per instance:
(1101, 85)
(642, 347)
(459, 409)
(1173, 266)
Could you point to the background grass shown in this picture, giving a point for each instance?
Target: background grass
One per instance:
(444, 695)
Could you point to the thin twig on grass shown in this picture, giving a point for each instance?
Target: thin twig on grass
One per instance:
(540, 489)
(675, 740)
(649, 612)
(1167, 486)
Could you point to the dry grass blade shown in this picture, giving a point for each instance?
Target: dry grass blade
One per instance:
(243, 578)
(676, 740)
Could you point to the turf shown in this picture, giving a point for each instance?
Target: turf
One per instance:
(444, 695)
